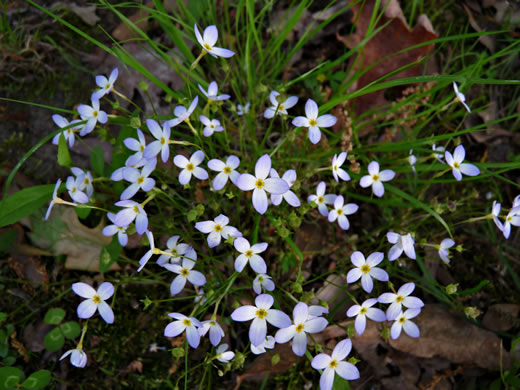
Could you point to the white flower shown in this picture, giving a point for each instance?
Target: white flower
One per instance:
(208, 40)
(217, 230)
(215, 331)
(177, 251)
(402, 243)
(92, 114)
(105, 84)
(335, 364)
(399, 300)
(337, 162)
(54, 197)
(303, 323)
(366, 270)
(260, 184)
(262, 280)
(402, 321)
(95, 300)
(444, 247)
(362, 312)
(139, 179)
(512, 218)
(313, 122)
(279, 108)
(261, 314)
(268, 343)
(183, 323)
(290, 197)
(190, 167)
(78, 358)
(460, 96)
(212, 92)
(137, 146)
(132, 210)
(495, 213)
(222, 355)
(210, 126)
(249, 254)
(321, 199)
(457, 167)
(185, 273)
(146, 257)
(376, 178)
(110, 230)
(69, 133)
(412, 160)
(87, 180)
(438, 153)
(182, 114)
(341, 211)
(226, 170)
(242, 110)
(73, 187)
(160, 145)
(516, 201)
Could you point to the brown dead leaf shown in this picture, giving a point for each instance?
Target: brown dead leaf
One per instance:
(486, 40)
(501, 317)
(134, 366)
(395, 37)
(85, 13)
(30, 269)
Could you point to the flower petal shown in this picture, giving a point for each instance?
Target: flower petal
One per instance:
(106, 312)
(83, 290)
(105, 290)
(86, 309)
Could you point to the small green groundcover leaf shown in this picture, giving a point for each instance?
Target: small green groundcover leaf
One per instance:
(63, 152)
(37, 380)
(109, 255)
(54, 340)
(24, 203)
(70, 329)
(97, 160)
(9, 377)
(54, 316)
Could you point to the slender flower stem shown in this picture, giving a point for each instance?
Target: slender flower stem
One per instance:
(83, 332)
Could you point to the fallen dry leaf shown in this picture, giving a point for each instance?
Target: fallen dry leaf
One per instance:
(86, 13)
(395, 37)
(30, 269)
(501, 317)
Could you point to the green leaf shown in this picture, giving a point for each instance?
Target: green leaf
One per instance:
(340, 383)
(70, 329)
(7, 239)
(24, 203)
(97, 160)
(4, 346)
(109, 255)
(63, 153)
(54, 316)
(54, 340)
(9, 377)
(38, 380)
(83, 212)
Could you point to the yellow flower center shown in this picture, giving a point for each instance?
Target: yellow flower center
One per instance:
(212, 126)
(335, 167)
(107, 86)
(86, 181)
(140, 180)
(163, 141)
(333, 363)
(321, 199)
(248, 253)
(190, 167)
(509, 218)
(375, 178)
(173, 251)
(218, 228)
(363, 310)
(261, 313)
(399, 299)
(95, 114)
(339, 211)
(456, 165)
(260, 278)
(402, 320)
(259, 184)
(207, 47)
(186, 322)
(313, 122)
(299, 328)
(96, 299)
(227, 170)
(365, 268)
(73, 190)
(136, 210)
(141, 148)
(185, 272)
(69, 131)
(281, 107)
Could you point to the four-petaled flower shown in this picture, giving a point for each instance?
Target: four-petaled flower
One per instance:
(341, 211)
(190, 167)
(160, 145)
(185, 272)
(212, 92)
(243, 109)
(176, 252)
(183, 323)
(512, 218)
(223, 355)
(147, 256)
(92, 114)
(210, 126)
(401, 243)
(78, 358)
(335, 364)
(69, 133)
(226, 170)
(495, 213)
(87, 180)
(208, 40)
(268, 343)
(313, 121)
(95, 300)
(289, 196)
(132, 210)
(74, 188)
(362, 312)
(182, 114)
(443, 249)
(337, 171)
(438, 153)
(137, 146)
(111, 230)
(279, 108)
(217, 230)
(262, 280)
(376, 178)
(139, 179)
(215, 331)
(303, 323)
(260, 184)
(400, 299)
(457, 167)
(366, 270)
(321, 199)
(249, 254)
(412, 160)
(402, 321)
(54, 198)
(261, 313)
(460, 96)
(105, 84)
